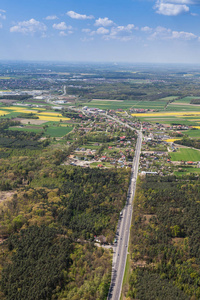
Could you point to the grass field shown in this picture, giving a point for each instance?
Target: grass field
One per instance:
(185, 100)
(101, 104)
(53, 131)
(36, 129)
(185, 154)
(58, 131)
(193, 133)
(187, 170)
(112, 104)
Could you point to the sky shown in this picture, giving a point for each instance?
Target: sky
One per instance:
(136, 31)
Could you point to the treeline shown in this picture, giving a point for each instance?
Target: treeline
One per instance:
(73, 115)
(27, 116)
(16, 97)
(18, 139)
(194, 143)
(165, 240)
(195, 101)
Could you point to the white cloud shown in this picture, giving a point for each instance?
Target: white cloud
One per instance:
(169, 9)
(61, 26)
(122, 33)
(167, 34)
(2, 10)
(30, 26)
(51, 17)
(160, 33)
(146, 29)
(102, 30)
(74, 15)
(1, 25)
(104, 22)
(86, 30)
(62, 33)
(89, 31)
(121, 30)
(178, 1)
(183, 35)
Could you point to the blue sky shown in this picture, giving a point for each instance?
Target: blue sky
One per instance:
(101, 30)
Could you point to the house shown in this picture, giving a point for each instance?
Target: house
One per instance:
(101, 239)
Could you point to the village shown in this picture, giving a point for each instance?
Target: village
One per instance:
(107, 144)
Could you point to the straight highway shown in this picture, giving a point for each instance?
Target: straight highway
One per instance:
(123, 231)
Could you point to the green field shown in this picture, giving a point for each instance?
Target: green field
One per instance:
(185, 100)
(183, 105)
(58, 131)
(101, 104)
(169, 98)
(193, 133)
(185, 154)
(53, 131)
(108, 104)
(187, 170)
(36, 129)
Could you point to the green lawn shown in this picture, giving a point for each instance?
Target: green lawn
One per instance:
(55, 131)
(185, 154)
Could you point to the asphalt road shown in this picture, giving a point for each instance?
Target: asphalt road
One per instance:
(123, 230)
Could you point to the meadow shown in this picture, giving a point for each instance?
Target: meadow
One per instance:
(187, 170)
(127, 104)
(185, 154)
(52, 130)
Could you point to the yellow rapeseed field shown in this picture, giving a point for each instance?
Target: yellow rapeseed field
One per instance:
(18, 109)
(3, 112)
(166, 114)
(172, 140)
(49, 114)
(13, 108)
(55, 119)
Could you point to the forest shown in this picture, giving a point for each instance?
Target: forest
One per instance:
(16, 139)
(49, 222)
(165, 243)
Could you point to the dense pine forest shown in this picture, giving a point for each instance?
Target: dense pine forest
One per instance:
(165, 244)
